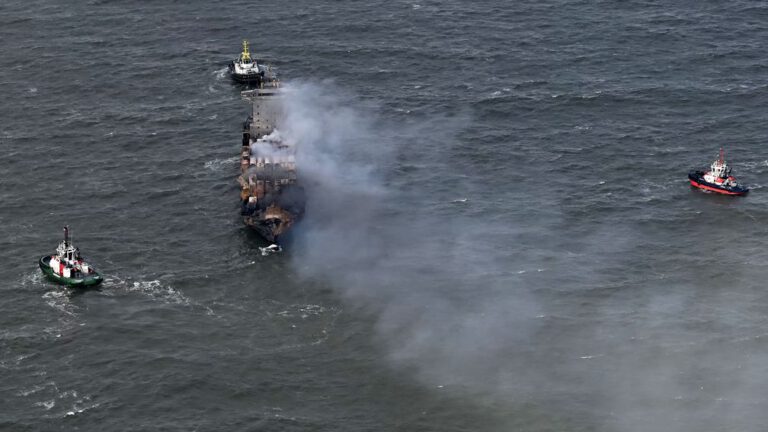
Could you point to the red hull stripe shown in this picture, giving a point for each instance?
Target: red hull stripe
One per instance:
(709, 188)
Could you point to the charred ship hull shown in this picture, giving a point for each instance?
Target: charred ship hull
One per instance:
(272, 200)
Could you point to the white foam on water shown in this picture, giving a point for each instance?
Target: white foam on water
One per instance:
(221, 73)
(155, 290)
(217, 164)
(31, 279)
(302, 312)
(55, 396)
(78, 409)
(69, 398)
(34, 389)
(271, 249)
(311, 309)
(23, 357)
(68, 393)
(538, 270)
(46, 404)
(58, 299)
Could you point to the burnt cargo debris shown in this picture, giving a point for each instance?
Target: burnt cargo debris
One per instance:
(272, 200)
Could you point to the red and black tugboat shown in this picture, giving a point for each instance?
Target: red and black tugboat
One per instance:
(718, 179)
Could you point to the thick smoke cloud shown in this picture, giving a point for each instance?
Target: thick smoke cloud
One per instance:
(524, 311)
(440, 298)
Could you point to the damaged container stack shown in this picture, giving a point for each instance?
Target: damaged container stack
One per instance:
(272, 201)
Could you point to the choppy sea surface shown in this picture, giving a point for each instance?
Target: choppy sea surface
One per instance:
(499, 233)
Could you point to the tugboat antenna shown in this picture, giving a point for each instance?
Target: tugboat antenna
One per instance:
(722, 155)
(246, 55)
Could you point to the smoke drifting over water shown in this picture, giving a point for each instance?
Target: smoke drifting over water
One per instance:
(581, 287)
(442, 300)
(512, 309)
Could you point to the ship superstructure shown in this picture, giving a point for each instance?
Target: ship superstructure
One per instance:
(272, 200)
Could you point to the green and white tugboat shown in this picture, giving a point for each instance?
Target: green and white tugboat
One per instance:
(67, 267)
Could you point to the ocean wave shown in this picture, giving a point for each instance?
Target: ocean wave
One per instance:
(34, 389)
(79, 408)
(33, 278)
(302, 311)
(221, 73)
(217, 164)
(58, 299)
(156, 290)
(153, 289)
(307, 317)
(46, 404)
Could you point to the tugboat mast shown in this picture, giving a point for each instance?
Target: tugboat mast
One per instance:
(66, 235)
(246, 55)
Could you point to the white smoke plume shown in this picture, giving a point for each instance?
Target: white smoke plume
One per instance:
(443, 303)
(584, 332)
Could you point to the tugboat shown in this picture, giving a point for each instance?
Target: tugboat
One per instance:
(244, 69)
(67, 267)
(718, 179)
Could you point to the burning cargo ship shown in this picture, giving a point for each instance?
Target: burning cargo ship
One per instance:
(272, 200)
